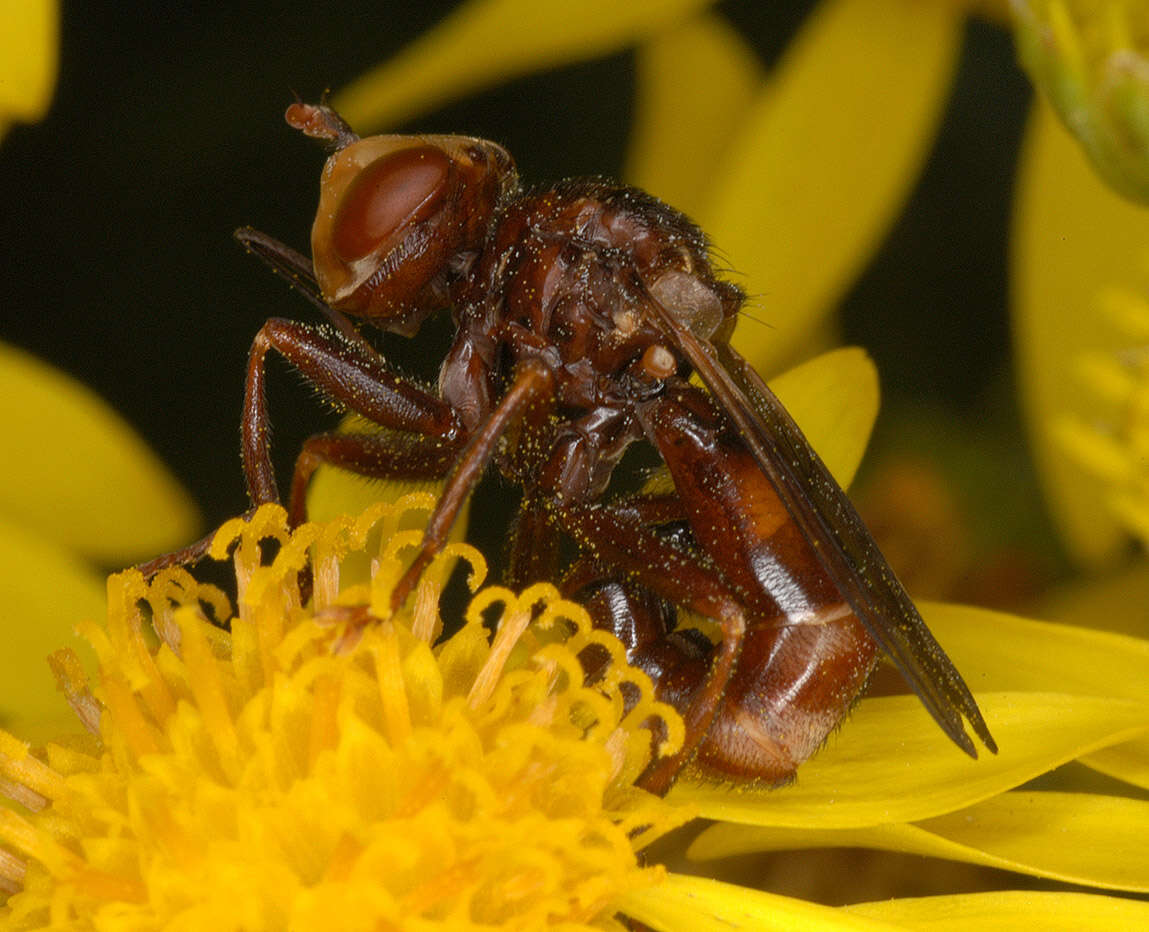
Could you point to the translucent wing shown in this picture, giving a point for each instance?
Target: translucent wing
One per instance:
(828, 520)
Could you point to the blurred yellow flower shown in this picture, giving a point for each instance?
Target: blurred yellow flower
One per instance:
(1116, 449)
(1080, 282)
(81, 492)
(1080, 272)
(28, 53)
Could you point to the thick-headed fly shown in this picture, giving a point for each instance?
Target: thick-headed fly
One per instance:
(581, 310)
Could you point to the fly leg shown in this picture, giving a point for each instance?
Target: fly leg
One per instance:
(354, 376)
(621, 539)
(297, 270)
(375, 456)
(346, 373)
(533, 555)
(533, 386)
(675, 659)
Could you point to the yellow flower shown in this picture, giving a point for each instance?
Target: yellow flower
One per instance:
(1081, 268)
(27, 59)
(1080, 284)
(333, 766)
(326, 768)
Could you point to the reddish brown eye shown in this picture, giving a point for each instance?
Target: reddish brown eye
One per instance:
(399, 188)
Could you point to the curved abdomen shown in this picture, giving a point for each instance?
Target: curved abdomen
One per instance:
(805, 656)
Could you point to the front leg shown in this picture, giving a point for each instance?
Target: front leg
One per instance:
(346, 373)
(530, 394)
(353, 375)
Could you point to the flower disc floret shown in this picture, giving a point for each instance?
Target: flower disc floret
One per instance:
(336, 765)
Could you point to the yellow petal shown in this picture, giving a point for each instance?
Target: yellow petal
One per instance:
(1106, 603)
(28, 56)
(891, 763)
(1000, 651)
(1128, 761)
(1009, 911)
(682, 125)
(45, 591)
(77, 474)
(702, 905)
(1073, 238)
(1079, 838)
(1076, 837)
(834, 399)
(827, 156)
(995, 650)
(484, 42)
(335, 492)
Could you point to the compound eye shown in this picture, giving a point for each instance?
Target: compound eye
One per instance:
(392, 192)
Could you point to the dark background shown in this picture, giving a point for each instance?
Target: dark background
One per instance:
(164, 137)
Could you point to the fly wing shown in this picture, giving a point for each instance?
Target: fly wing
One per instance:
(828, 520)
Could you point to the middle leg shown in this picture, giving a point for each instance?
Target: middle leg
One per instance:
(376, 456)
(344, 372)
